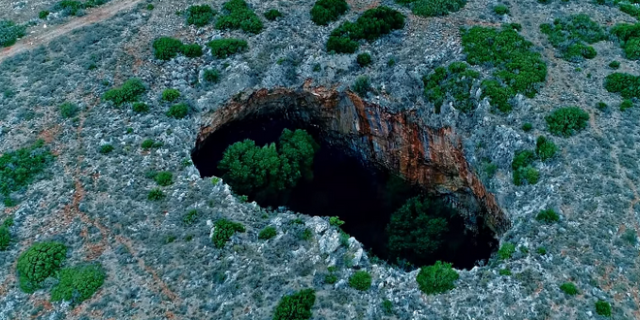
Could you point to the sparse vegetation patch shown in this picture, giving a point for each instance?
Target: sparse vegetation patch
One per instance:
(200, 16)
(128, 92)
(452, 84)
(433, 8)
(570, 34)
(325, 11)
(20, 167)
(438, 278)
(10, 32)
(371, 25)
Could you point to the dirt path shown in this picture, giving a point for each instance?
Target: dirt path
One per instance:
(99, 14)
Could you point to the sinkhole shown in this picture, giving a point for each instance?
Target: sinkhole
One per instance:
(369, 164)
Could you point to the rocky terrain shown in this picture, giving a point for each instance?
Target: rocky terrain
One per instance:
(159, 267)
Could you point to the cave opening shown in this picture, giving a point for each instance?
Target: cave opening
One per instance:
(344, 184)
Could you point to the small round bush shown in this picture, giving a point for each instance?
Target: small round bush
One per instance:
(614, 65)
(601, 106)
(223, 231)
(150, 7)
(526, 127)
(626, 104)
(222, 48)
(146, 144)
(272, 14)
(43, 14)
(68, 110)
(164, 178)
(106, 148)
(569, 288)
(325, 11)
(5, 238)
(170, 95)
(567, 121)
(165, 48)
(200, 16)
(545, 148)
(155, 195)
(192, 50)
(364, 59)
(506, 251)
(211, 75)
(78, 283)
(362, 85)
(39, 262)
(603, 308)
(190, 217)
(361, 280)
(437, 278)
(296, 306)
(267, 233)
(140, 107)
(548, 216)
(330, 278)
(178, 111)
(501, 9)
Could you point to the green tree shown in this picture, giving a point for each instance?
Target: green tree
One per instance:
(296, 306)
(371, 25)
(18, 168)
(39, 262)
(437, 278)
(78, 283)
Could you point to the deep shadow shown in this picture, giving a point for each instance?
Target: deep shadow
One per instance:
(344, 185)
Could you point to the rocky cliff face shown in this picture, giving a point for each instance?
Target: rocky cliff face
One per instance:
(430, 157)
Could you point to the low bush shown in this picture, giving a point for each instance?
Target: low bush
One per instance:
(371, 25)
(272, 14)
(335, 221)
(178, 111)
(296, 306)
(238, 15)
(362, 85)
(10, 32)
(200, 16)
(387, 307)
(267, 233)
(452, 84)
(506, 251)
(43, 14)
(548, 216)
(40, 261)
(628, 36)
(68, 110)
(569, 288)
(20, 167)
(545, 148)
(130, 91)
(438, 278)
(603, 308)
(433, 8)
(166, 48)
(192, 50)
(78, 283)
(68, 7)
(170, 95)
(601, 106)
(106, 148)
(364, 59)
(627, 85)
(164, 178)
(211, 75)
(526, 127)
(569, 35)
(505, 272)
(5, 238)
(567, 121)
(499, 94)
(155, 195)
(523, 170)
(614, 64)
(360, 280)
(148, 143)
(223, 231)
(222, 48)
(190, 217)
(140, 107)
(325, 11)
(501, 9)
(626, 104)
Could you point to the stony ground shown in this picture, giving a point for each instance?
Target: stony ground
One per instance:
(158, 268)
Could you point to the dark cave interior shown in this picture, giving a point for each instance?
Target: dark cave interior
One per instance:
(344, 185)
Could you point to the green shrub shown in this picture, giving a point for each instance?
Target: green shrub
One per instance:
(526, 127)
(506, 250)
(335, 221)
(178, 111)
(237, 15)
(360, 280)
(148, 143)
(603, 308)
(296, 306)
(438, 278)
(140, 107)
(190, 217)
(200, 15)
(545, 148)
(364, 59)
(128, 92)
(387, 307)
(155, 195)
(517, 66)
(505, 272)
(5, 238)
(43, 14)
(628, 86)
(325, 11)
(522, 168)
(68, 7)
(433, 8)
(567, 121)
(272, 14)
(451, 84)
(499, 95)
(548, 216)
(417, 229)
(371, 25)
(78, 283)
(222, 48)
(267, 233)
(192, 50)
(362, 85)
(164, 178)
(628, 36)
(263, 172)
(330, 279)
(166, 48)
(614, 64)
(223, 231)
(41, 260)
(211, 75)
(170, 95)
(601, 106)
(10, 33)
(569, 35)
(501, 9)
(106, 148)
(626, 104)
(68, 110)
(150, 7)
(19, 168)
(569, 288)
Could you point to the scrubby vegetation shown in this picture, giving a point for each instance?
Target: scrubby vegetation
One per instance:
(523, 170)
(567, 121)
(627, 85)
(264, 172)
(335, 221)
(140, 107)
(155, 195)
(170, 95)
(5, 235)
(78, 283)
(452, 84)
(296, 306)
(545, 148)
(68, 110)
(267, 233)
(603, 308)
(43, 14)
(360, 280)
(39, 262)
(325, 11)
(20, 167)
(164, 178)
(178, 111)
(364, 59)
(628, 36)
(569, 288)
(272, 14)
(570, 34)
(10, 32)
(438, 278)
(190, 217)
(222, 48)
(371, 25)
(200, 16)
(548, 216)
(166, 48)
(130, 91)
(223, 231)
(506, 251)
(433, 8)
(238, 15)
(501, 9)
(211, 75)
(362, 85)
(106, 148)
(192, 50)
(614, 64)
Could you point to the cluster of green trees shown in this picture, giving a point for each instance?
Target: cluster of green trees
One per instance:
(238, 15)
(325, 11)
(453, 83)
(167, 48)
(569, 35)
(371, 25)
(268, 172)
(433, 8)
